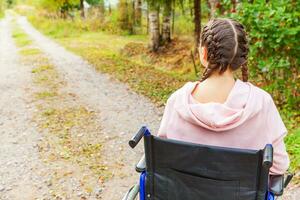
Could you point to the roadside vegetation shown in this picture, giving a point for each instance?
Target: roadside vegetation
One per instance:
(2, 8)
(152, 45)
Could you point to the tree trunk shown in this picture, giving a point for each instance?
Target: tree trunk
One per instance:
(109, 7)
(123, 15)
(166, 25)
(138, 12)
(102, 7)
(154, 27)
(148, 21)
(82, 9)
(173, 17)
(197, 21)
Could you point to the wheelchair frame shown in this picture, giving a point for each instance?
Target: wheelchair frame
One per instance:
(141, 168)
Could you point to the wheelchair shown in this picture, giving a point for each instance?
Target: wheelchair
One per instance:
(176, 170)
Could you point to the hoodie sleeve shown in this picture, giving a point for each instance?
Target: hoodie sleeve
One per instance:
(162, 132)
(277, 132)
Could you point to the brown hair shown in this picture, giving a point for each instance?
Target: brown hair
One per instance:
(227, 46)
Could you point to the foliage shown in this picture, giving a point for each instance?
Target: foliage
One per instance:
(274, 34)
(63, 27)
(2, 7)
(59, 5)
(95, 2)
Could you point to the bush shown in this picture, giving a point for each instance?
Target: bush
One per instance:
(274, 34)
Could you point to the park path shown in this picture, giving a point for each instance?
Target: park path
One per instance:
(23, 176)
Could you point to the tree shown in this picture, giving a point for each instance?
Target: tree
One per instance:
(99, 3)
(197, 22)
(166, 24)
(125, 16)
(102, 7)
(137, 12)
(153, 7)
(82, 9)
(61, 6)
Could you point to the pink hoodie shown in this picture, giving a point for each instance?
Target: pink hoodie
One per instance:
(248, 119)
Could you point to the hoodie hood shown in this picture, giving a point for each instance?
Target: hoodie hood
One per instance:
(238, 107)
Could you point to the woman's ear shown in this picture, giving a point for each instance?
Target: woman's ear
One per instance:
(203, 56)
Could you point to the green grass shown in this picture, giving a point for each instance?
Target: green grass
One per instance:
(45, 94)
(21, 39)
(29, 51)
(293, 147)
(41, 68)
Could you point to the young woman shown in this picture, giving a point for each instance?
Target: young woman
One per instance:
(222, 111)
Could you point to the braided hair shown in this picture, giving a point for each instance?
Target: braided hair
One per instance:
(227, 47)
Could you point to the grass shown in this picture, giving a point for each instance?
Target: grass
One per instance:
(45, 94)
(21, 39)
(41, 69)
(293, 147)
(154, 81)
(29, 51)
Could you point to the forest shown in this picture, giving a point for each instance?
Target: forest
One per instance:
(152, 45)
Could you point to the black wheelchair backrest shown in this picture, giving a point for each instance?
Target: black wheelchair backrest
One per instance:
(178, 170)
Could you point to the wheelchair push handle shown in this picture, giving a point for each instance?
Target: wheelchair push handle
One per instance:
(138, 136)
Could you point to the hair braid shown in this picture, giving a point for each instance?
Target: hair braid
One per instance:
(212, 46)
(244, 69)
(226, 44)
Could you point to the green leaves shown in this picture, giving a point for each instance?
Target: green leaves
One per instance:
(274, 32)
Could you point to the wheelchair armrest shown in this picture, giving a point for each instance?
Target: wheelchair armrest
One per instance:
(276, 185)
(141, 166)
(268, 156)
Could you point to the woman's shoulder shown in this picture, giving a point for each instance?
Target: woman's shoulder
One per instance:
(183, 90)
(260, 93)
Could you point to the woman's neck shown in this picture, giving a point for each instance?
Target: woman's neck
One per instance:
(225, 77)
(215, 88)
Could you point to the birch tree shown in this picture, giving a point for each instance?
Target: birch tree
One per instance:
(153, 7)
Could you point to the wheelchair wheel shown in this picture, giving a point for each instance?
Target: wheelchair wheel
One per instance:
(132, 193)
